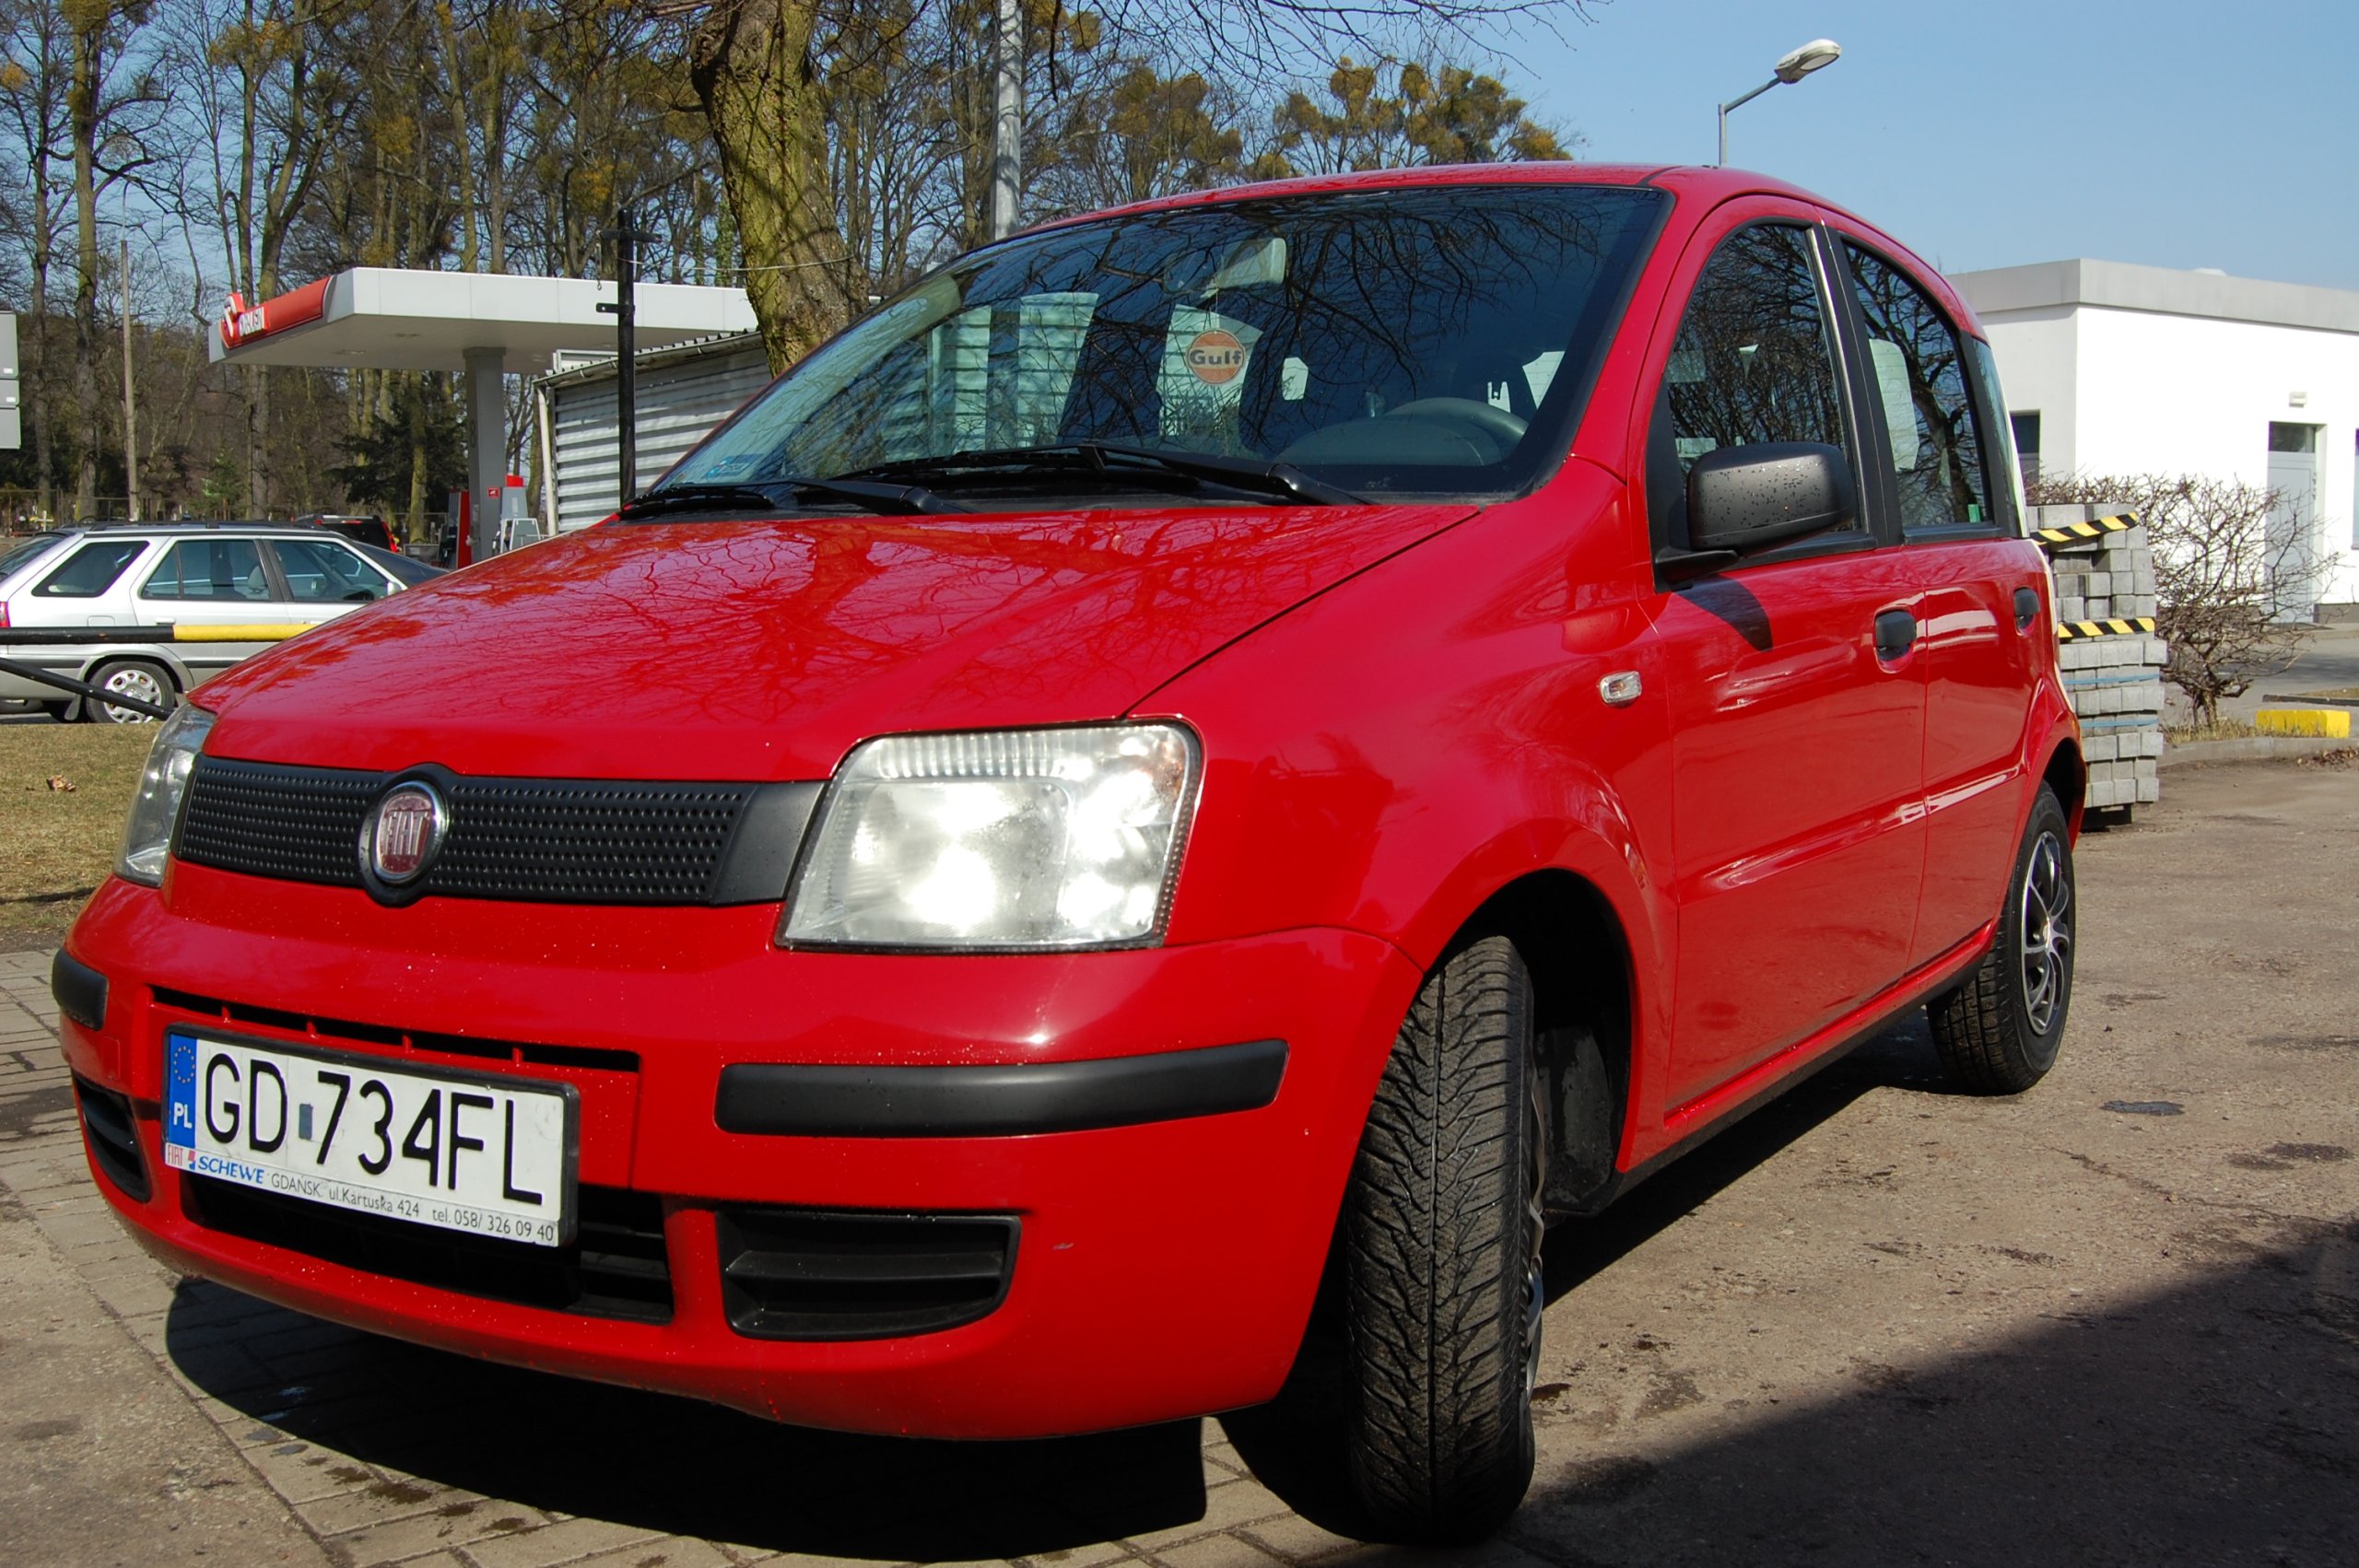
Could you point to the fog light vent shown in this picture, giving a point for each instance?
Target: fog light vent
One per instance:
(114, 1143)
(801, 1274)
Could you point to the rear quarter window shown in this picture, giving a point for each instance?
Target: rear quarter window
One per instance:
(90, 570)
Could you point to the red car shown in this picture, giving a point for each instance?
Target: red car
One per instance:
(1315, 727)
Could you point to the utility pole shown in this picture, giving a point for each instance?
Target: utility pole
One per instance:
(1007, 122)
(129, 407)
(625, 310)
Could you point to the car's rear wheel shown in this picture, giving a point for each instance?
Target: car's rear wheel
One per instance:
(131, 678)
(1998, 1034)
(1441, 1234)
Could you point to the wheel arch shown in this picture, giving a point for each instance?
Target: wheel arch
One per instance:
(139, 653)
(2067, 775)
(1585, 993)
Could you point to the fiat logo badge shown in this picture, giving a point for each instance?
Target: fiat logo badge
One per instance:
(404, 833)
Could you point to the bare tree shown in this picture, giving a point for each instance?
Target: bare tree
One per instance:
(760, 81)
(2225, 581)
(33, 80)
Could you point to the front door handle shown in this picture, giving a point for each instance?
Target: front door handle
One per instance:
(1896, 635)
(2026, 609)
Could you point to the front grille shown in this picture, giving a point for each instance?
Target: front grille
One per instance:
(803, 1274)
(114, 1145)
(616, 1267)
(519, 1053)
(534, 840)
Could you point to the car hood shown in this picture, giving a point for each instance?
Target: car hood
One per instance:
(765, 650)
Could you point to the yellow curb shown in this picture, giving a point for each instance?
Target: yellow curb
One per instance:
(2333, 723)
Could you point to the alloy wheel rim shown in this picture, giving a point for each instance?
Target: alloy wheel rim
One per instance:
(2045, 929)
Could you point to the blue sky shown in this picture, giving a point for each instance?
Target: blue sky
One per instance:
(1989, 132)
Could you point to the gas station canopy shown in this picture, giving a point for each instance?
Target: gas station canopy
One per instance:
(480, 324)
(388, 318)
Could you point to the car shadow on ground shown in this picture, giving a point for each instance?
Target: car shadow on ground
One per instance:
(2212, 1426)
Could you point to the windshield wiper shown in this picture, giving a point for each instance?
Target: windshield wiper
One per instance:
(1273, 478)
(900, 500)
(1262, 473)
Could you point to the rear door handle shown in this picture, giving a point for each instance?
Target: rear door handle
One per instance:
(1896, 634)
(2026, 609)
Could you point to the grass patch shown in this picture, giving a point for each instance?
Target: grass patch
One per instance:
(2225, 730)
(57, 844)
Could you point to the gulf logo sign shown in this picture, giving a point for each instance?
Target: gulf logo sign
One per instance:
(1215, 357)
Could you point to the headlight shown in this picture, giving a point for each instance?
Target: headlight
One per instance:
(148, 835)
(1023, 839)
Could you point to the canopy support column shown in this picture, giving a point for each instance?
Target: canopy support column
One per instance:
(486, 446)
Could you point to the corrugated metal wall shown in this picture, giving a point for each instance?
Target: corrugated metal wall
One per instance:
(682, 395)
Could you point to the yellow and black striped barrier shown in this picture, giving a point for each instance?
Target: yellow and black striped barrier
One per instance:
(249, 631)
(2079, 532)
(2123, 625)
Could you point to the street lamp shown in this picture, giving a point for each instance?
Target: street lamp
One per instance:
(1791, 67)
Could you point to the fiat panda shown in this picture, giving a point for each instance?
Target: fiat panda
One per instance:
(1300, 734)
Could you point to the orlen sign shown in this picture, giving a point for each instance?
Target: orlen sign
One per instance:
(243, 323)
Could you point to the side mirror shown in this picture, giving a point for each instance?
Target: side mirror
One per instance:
(1743, 499)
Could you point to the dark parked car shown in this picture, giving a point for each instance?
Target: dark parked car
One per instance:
(408, 569)
(359, 529)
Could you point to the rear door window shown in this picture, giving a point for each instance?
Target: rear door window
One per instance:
(90, 570)
(209, 571)
(1933, 441)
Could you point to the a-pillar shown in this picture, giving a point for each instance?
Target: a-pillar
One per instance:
(486, 446)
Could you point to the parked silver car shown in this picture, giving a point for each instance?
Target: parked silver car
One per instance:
(201, 579)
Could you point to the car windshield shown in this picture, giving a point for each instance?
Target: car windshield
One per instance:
(1426, 340)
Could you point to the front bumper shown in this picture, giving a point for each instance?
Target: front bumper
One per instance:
(1164, 1269)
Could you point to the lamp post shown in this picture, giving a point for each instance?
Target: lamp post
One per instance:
(1818, 53)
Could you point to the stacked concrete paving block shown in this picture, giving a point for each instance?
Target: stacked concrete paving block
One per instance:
(2111, 658)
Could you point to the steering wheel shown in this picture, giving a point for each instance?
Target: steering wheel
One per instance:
(1498, 423)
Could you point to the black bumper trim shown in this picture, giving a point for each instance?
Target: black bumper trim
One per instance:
(80, 990)
(813, 1101)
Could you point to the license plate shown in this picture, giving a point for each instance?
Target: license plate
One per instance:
(460, 1151)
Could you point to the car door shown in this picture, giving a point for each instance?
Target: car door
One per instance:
(1985, 619)
(206, 581)
(1797, 700)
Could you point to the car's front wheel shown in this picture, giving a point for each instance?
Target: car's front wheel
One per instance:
(1997, 1033)
(1441, 1234)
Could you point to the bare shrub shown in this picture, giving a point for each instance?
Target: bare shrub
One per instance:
(2224, 586)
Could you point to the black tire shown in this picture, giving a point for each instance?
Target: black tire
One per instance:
(1442, 1228)
(1997, 1033)
(132, 677)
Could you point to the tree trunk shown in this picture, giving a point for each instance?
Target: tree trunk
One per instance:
(82, 120)
(258, 440)
(750, 61)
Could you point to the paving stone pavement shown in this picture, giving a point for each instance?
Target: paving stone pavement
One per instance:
(342, 1447)
(2112, 1322)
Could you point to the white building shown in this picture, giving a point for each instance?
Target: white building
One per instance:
(2116, 369)
(681, 394)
